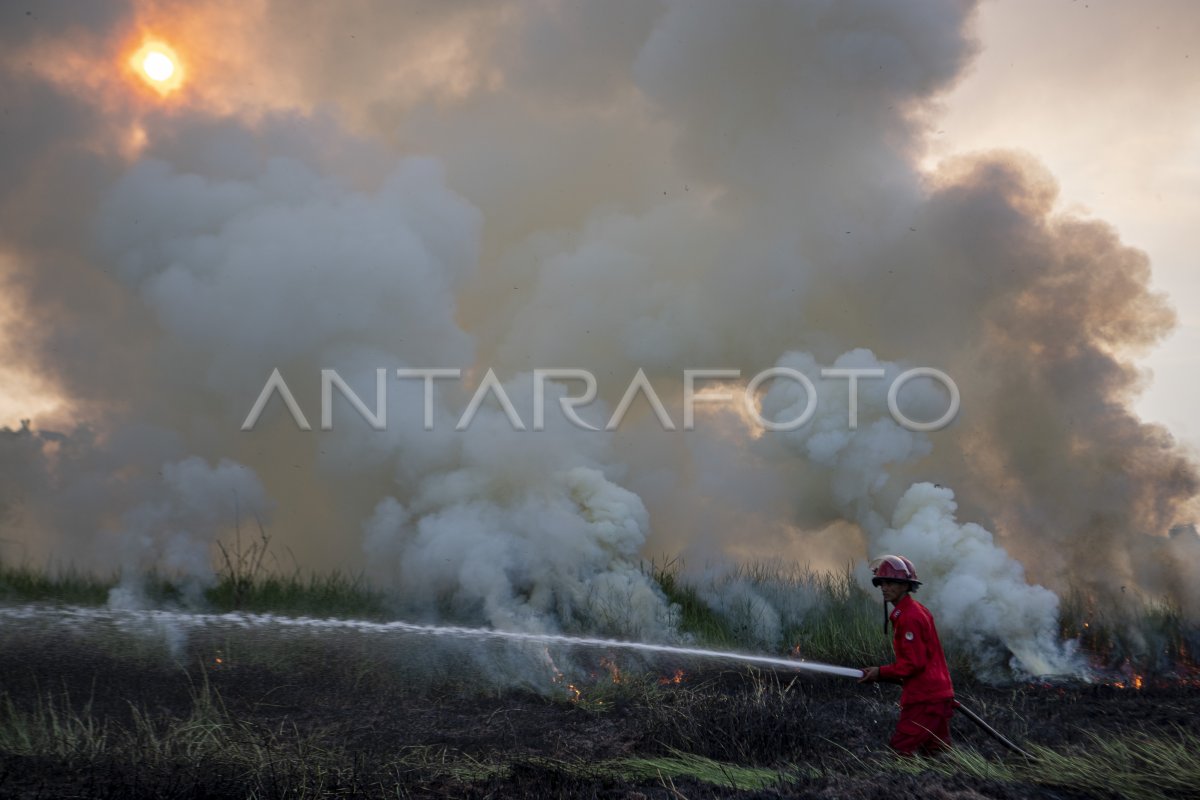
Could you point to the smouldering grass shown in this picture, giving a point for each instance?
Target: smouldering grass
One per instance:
(1149, 633)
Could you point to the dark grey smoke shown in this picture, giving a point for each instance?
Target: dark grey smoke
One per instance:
(608, 187)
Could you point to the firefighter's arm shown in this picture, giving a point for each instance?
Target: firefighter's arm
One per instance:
(910, 654)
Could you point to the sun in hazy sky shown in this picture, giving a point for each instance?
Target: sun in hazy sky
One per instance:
(157, 63)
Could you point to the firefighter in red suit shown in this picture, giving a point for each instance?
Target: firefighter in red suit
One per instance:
(927, 699)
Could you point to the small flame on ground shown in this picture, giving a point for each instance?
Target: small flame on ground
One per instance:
(614, 672)
(672, 680)
(556, 676)
(574, 693)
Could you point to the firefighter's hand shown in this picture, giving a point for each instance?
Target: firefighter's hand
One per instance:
(870, 675)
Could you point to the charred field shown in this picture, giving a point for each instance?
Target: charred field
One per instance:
(115, 710)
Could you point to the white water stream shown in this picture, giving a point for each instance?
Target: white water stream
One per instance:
(70, 615)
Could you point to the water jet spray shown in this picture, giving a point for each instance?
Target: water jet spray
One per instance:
(185, 620)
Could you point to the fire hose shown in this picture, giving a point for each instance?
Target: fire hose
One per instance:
(977, 720)
(990, 731)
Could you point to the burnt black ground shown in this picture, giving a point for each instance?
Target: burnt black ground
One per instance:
(376, 721)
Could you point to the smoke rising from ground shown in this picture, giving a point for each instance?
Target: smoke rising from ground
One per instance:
(174, 533)
(980, 593)
(608, 187)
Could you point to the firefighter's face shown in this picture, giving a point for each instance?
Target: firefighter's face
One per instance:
(893, 590)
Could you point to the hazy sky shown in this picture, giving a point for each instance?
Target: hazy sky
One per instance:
(1003, 190)
(1107, 95)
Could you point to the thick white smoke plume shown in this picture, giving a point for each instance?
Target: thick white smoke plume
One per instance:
(276, 264)
(854, 448)
(520, 528)
(502, 187)
(174, 534)
(979, 594)
(567, 553)
(977, 591)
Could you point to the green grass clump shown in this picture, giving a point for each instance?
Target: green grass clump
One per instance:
(843, 625)
(1138, 767)
(660, 769)
(686, 765)
(26, 584)
(825, 614)
(694, 614)
(1132, 766)
(333, 595)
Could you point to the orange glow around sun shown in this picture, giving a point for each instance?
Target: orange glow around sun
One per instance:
(157, 63)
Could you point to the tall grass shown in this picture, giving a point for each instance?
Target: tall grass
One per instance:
(820, 616)
(825, 616)
(334, 594)
(694, 615)
(71, 586)
(844, 624)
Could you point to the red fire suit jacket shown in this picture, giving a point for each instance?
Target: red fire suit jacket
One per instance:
(920, 663)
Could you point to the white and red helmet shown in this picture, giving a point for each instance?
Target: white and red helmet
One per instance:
(893, 568)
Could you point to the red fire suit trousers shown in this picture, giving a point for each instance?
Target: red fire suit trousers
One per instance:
(923, 728)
